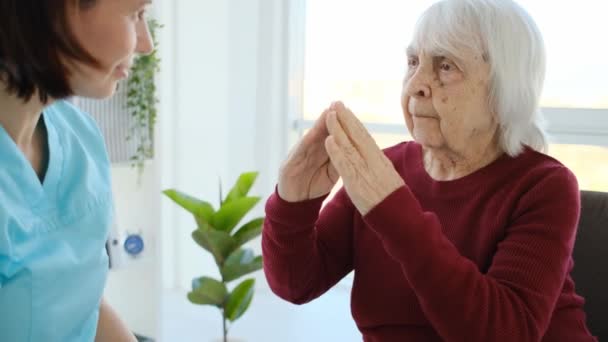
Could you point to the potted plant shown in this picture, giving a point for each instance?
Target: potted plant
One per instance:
(216, 234)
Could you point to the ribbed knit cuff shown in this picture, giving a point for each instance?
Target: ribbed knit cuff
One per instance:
(302, 214)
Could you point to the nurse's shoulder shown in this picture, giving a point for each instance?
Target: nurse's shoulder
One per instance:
(67, 116)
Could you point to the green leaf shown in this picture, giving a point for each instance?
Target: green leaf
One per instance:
(249, 231)
(240, 262)
(218, 243)
(239, 300)
(207, 291)
(200, 209)
(230, 214)
(242, 186)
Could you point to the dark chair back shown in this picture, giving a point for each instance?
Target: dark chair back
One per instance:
(590, 255)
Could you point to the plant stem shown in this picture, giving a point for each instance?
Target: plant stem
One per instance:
(224, 325)
(225, 330)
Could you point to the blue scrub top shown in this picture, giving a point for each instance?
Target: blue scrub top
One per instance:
(53, 263)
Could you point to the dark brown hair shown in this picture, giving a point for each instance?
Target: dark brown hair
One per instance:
(35, 42)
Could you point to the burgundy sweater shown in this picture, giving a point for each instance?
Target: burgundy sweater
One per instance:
(486, 257)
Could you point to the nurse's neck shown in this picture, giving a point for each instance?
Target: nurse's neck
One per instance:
(20, 119)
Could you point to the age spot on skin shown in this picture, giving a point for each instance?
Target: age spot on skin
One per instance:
(444, 100)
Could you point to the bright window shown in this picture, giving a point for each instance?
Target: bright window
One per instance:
(589, 164)
(354, 51)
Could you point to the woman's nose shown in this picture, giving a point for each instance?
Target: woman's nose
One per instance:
(145, 45)
(418, 85)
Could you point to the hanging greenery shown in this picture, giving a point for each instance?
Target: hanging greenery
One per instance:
(142, 101)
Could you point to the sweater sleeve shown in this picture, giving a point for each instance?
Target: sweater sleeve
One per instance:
(307, 252)
(514, 300)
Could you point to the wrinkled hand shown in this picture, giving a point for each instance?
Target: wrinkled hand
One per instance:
(307, 172)
(368, 175)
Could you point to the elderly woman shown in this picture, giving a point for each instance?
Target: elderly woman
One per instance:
(465, 233)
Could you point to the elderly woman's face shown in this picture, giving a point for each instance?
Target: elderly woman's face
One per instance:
(445, 100)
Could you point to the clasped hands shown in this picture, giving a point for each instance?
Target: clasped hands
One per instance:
(338, 146)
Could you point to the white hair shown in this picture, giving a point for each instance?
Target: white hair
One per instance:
(509, 40)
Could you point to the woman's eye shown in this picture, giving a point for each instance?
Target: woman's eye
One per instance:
(446, 66)
(139, 15)
(412, 62)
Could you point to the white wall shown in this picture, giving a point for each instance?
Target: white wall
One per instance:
(133, 288)
(226, 114)
(222, 93)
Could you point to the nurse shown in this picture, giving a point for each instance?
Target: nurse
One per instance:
(55, 194)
